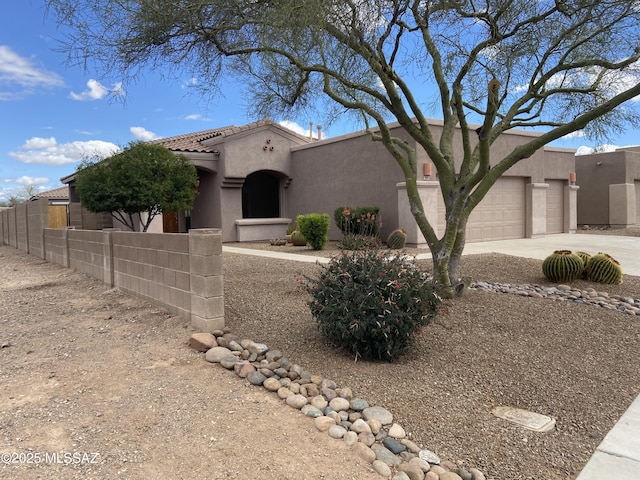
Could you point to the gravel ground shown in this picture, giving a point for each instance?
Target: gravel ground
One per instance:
(91, 369)
(576, 363)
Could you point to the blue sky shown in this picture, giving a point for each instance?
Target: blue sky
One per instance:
(53, 115)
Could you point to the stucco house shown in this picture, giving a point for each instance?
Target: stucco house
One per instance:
(257, 178)
(609, 188)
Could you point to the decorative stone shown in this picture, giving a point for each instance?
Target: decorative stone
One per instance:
(272, 384)
(360, 426)
(311, 411)
(418, 462)
(385, 455)
(396, 431)
(477, 474)
(358, 404)
(413, 471)
(431, 476)
(243, 369)
(339, 404)
(411, 446)
(284, 393)
(450, 476)
(393, 445)
(296, 401)
(273, 355)
(319, 402)
(379, 413)
(364, 452)
(202, 341)
(257, 348)
(464, 473)
(367, 438)
(256, 378)
(324, 423)
(381, 468)
(215, 354)
(375, 425)
(350, 438)
(337, 431)
(345, 393)
(400, 475)
(229, 361)
(429, 456)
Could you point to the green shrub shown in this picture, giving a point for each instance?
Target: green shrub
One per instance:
(314, 227)
(372, 303)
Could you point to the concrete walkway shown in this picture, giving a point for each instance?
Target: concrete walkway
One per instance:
(618, 456)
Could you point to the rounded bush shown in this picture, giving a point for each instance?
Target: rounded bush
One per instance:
(604, 268)
(314, 227)
(562, 266)
(371, 303)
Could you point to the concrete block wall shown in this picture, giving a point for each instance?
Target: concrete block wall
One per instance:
(37, 220)
(57, 246)
(155, 267)
(180, 272)
(22, 233)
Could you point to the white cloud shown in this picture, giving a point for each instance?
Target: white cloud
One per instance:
(97, 91)
(26, 180)
(21, 72)
(300, 130)
(584, 150)
(47, 151)
(142, 133)
(196, 116)
(576, 134)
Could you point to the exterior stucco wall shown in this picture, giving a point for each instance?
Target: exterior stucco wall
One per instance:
(598, 176)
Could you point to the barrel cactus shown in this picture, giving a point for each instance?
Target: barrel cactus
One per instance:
(562, 266)
(298, 239)
(604, 269)
(585, 259)
(396, 239)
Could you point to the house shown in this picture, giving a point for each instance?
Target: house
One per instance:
(58, 206)
(257, 178)
(609, 188)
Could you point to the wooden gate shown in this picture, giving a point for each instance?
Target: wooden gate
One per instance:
(57, 216)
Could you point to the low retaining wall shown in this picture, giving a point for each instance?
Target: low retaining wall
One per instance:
(180, 272)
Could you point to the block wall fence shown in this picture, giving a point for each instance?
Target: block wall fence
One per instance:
(182, 272)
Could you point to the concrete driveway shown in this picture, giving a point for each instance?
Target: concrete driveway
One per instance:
(625, 250)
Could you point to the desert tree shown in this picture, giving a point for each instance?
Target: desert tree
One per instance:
(137, 184)
(557, 66)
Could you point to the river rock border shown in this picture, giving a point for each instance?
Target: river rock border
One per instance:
(566, 293)
(369, 430)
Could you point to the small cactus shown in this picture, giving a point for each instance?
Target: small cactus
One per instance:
(562, 266)
(396, 239)
(604, 269)
(585, 259)
(298, 239)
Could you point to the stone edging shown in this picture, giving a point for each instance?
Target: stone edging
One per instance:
(368, 430)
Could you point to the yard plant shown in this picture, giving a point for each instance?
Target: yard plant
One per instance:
(371, 303)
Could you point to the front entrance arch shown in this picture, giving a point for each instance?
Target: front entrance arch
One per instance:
(261, 195)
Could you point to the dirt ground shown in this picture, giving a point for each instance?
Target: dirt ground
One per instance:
(99, 385)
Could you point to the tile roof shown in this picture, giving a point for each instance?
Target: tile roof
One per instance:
(193, 142)
(61, 193)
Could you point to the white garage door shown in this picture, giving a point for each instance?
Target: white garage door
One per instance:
(637, 183)
(555, 206)
(500, 215)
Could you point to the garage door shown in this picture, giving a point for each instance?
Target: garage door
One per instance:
(637, 183)
(555, 206)
(500, 215)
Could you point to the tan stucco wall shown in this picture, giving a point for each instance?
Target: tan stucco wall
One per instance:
(597, 173)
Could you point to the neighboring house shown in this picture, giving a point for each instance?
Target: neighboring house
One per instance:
(609, 188)
(58, 201)
(257, 178)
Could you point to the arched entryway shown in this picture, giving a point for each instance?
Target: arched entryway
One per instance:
(261, 195)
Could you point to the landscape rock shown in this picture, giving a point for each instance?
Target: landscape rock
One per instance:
(385, 455)
(364, 452)
(382, 468)
(215, 354)
(378, 413)
(202, 341)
